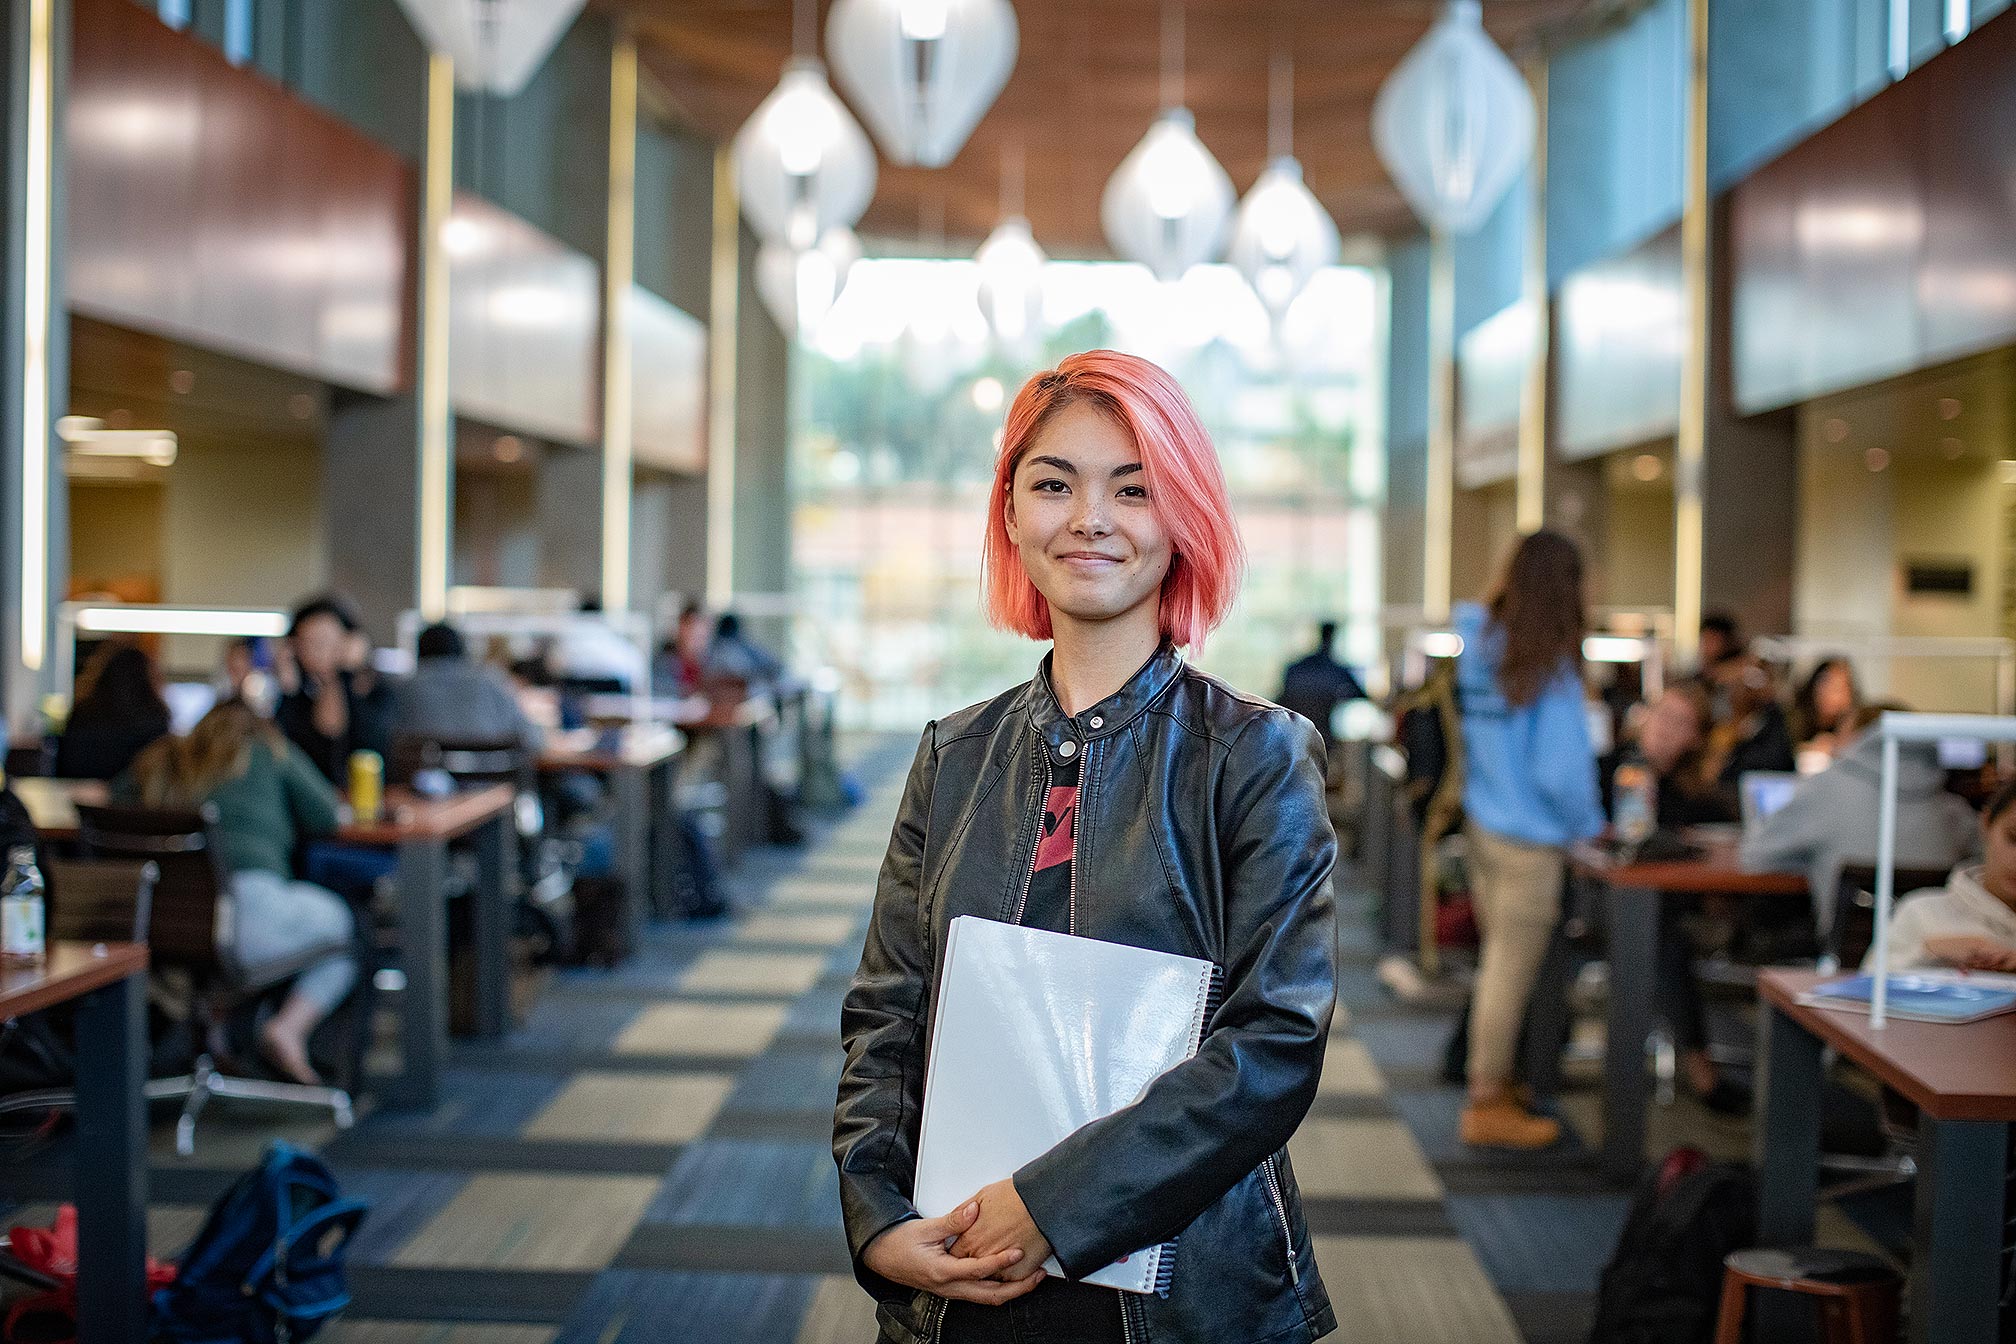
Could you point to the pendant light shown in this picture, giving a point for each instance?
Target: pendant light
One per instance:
(1282, 235)
(1011, 267)
(1167, 203)
(800, 288)
(923, 72)
(1454, 122)
(802, 164)
(496, 45)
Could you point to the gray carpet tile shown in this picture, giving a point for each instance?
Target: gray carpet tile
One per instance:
(789, 1079)
(750, 1182)
(1541, 1243)
(1434, 1117)
(631, 1306)
(453, 1152)
(741, 1250)
(401, 1294)
(402, 1202)
(1553, 1318)
(476, 1103)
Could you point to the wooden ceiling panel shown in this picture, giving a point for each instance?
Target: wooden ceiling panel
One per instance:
(1086, 85)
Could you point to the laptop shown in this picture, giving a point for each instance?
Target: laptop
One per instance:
(1764, 792)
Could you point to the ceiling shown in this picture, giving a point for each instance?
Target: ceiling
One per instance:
(1086, 86)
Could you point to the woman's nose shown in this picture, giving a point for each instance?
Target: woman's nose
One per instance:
(1091, 517)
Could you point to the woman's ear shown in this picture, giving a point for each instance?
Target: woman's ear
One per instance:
(1008, 519)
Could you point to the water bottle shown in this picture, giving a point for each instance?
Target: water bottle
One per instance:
(367, 785)
(1635, 805)
(21, 937)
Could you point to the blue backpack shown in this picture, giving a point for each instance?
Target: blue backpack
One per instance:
(267, 1268)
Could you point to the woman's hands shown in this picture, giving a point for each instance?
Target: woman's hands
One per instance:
(1004, 1224)
(915, 1254)
(1973, 953)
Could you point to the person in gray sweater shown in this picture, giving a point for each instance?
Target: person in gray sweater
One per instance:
(1831, 821)
(451, 698)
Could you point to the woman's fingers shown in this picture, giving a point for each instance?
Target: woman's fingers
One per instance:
(957, 1270)
(990, 1292)
(950, 1225)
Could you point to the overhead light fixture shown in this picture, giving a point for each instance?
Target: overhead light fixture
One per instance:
(496, 45)
(800, 288)
(802, 165)
(152, 620)
(1453, 123)
(1167, 203)
(1613, 649)
(1282, 235)
(923, 72)
(1011, 266)
(85, 436)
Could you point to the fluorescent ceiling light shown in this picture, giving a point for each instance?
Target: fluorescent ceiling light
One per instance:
(1613, 649)
(141, 620)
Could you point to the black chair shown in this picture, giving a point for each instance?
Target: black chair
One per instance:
(99, 900)
(190, 902)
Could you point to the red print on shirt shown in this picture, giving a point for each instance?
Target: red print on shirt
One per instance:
(1059, 809)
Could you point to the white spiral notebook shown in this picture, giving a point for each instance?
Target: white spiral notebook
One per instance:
(1039, 1034)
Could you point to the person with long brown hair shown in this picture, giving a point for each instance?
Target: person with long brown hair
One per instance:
(1529, 791)
(117, 714)
(269, 797)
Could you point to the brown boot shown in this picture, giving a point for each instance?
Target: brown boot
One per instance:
(1504, 1123)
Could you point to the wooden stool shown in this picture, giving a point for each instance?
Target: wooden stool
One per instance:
(1858, 1294)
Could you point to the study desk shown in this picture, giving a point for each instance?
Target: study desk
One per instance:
(1961, 1078)
(108, 983)
(641, 763)
(1636, 892)
(418, 831)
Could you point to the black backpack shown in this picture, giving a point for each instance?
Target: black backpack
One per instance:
(1664, 1283)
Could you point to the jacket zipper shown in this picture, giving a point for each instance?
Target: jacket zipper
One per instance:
(1281, 1212)
(938, 1309)
(1127, 1318)
(1077, 811)
(1022, 901)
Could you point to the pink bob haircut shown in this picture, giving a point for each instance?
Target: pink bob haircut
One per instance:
(1185, 484)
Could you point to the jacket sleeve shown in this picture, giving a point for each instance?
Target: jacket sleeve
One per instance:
(1564, 760)
(1144, 1173)
(875, 1119)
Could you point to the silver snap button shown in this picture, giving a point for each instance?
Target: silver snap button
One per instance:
(1098, 722)
(1067, 748)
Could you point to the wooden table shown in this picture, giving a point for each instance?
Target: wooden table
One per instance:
(1637, 892)
(108, 983)
(1963, 1081)
(419, 831)
(641, 763)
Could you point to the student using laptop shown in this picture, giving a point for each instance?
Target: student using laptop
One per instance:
(1119, 795)
(1831, 818)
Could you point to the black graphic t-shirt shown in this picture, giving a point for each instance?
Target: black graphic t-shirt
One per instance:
(1049, 905)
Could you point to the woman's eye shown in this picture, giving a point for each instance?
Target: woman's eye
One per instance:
(1052, 487)
(1133, 492)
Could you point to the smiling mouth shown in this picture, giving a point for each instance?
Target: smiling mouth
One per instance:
(1089, 557)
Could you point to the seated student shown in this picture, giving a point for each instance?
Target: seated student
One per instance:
(1670, 740)
(1831, 818)
(1971, 921)
(1750, 731)
(735, 656)
(452, 698)
(1823, 709)
(336, 705)
(268, 797)
(119, 711)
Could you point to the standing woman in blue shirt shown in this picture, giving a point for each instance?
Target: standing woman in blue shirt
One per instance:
(1529, 792)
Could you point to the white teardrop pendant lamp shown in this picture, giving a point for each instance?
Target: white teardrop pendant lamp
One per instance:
(496, 45)
(800, 288)
(923, 72)
(1282, 235)
(1454, 122)
(802, 163)
(1011, 267)
(1167, 203)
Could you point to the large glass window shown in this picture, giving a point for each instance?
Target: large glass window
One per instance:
(897, 407)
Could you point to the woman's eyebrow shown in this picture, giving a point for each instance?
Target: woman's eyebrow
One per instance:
(1056, 462)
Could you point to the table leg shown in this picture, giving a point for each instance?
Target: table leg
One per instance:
(496, 853)
(423, 942)
(661, 797)
(1786, 1141)
(1956, 1277)
(633, 846)
(111, 1157)
(1634, 958)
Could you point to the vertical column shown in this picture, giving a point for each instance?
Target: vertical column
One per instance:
(1530, 503)
(1690, 449)
(437, 423)
(722, 331)
(619, 266)
(34, 351)
(1439, 510)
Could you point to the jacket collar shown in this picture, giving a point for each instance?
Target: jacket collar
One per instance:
(1107, 717)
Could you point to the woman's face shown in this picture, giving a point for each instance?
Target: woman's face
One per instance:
(1999, 852)
(1833, 694)
(319, 645)
(1671, 730)
(1079, 512)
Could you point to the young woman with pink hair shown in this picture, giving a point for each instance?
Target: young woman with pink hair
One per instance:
(1125, 796)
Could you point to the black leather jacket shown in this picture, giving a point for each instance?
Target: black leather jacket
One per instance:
(1201, 831)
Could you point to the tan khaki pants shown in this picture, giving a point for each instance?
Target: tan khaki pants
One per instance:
(1517, 891)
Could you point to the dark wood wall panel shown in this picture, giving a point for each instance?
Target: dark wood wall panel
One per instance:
(1885, 242)
(210, 205)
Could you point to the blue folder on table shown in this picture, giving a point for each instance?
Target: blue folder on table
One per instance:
(1932, 997)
